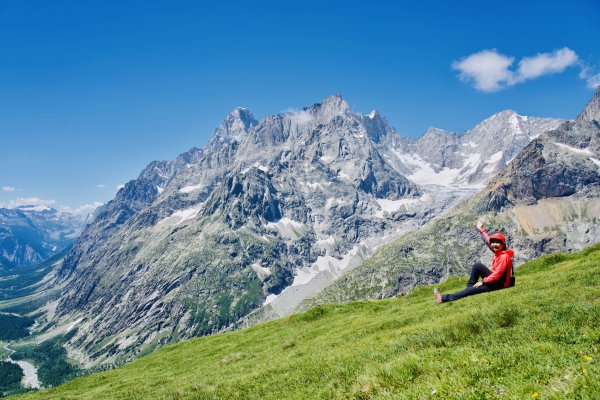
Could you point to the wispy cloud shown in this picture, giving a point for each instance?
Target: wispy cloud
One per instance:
(300, 117)
(101, 186)
(490, 71)
(8, 189)
(545, 64)
(590, 76)
(82, 210)
(28, 201)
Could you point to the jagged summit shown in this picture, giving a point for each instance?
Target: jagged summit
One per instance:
(333, 106)
(592, 109)
(373, 114)
(433, 131)
(236, 123)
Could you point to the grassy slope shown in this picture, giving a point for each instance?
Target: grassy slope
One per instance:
(543, 336)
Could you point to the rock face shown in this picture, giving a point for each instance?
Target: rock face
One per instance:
(546, 200)
(266, 214)
(592, 110)
(30, 235)
(562, 162)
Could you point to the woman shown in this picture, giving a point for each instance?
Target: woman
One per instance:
(497, 278)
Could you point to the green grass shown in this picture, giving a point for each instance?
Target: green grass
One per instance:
(538, 339)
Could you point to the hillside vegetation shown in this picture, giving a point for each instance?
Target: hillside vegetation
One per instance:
(539, 339)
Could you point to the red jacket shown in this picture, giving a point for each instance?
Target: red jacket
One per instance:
(501, 263)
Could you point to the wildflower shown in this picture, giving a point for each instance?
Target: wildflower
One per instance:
(587, 358)
(535, 395)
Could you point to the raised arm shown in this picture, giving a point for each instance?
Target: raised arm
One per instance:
(484, 234)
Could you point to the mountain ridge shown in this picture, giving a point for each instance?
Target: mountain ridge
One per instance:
(267, 213)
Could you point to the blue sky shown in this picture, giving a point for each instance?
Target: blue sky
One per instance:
(92, 91)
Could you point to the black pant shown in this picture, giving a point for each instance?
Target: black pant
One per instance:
(478, 270)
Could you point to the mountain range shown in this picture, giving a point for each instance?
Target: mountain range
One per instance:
(269, 213)
(30, 234)
(547, 200)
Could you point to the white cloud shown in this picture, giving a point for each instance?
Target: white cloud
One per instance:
(87, 208)
(29, 201)
(120, 186)
(36, 202)
(592, 78)
(83, 210)
(300, 117)
(8, 189)
(545, 64)
(489, 70)
(593, 81)
(101, 186)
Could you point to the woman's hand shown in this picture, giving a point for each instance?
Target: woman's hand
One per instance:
(477, 284)
(479, 224)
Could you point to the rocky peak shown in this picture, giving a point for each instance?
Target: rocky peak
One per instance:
(377, 126)
(592, 110)
(330, 108)
(435, 134)
(238, 122)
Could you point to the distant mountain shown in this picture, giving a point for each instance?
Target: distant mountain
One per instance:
(268, 213)
(32, 234)
(469, 160)
(547, 200)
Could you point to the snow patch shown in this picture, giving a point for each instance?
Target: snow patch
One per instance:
(344, 176)
(287, 228)
(190, 189)
(38, 208)
(332, 201)
(310, 278)
(514, 123)
(492, 162)
(326, 244)
(179, 217)
(318, 185)
(392, 206)
(424, 174)
(263, 168)
(585, 152)
(325, 264)
(597, 162)
(262, 272)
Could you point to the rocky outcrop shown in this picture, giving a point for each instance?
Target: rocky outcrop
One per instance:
(592, 111)
(560, 163)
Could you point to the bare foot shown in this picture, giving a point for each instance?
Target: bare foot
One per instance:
(438, 295)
